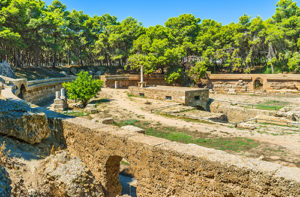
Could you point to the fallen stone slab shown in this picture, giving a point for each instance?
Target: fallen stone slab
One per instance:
(133, 129)
(246, 126)
(273, 120)
(107, 121)
(18, 120)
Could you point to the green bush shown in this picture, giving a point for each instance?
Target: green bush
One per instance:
(83, 88)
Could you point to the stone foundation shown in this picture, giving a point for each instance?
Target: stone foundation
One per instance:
(165, 168)
(245, 83)
(186, 96)
(124, 81)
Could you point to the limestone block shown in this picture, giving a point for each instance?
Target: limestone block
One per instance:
(91, 110)
(107, 121)
(246, 126)
(133, 128)
(18, 120)
(273, 120)
(69, 175)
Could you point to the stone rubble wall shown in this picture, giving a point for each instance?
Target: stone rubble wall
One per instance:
(36, 91)
(236, 113)
(243, 83)
(124, 81)
(165, 168)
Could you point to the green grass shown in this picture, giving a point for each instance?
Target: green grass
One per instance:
(127, 122)
(269, 105)
(185, 118)
(235, 144)
(124, 163)
(76, 114)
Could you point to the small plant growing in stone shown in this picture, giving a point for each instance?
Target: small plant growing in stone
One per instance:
(83, 88)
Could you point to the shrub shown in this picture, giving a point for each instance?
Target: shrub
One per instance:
(83, 88)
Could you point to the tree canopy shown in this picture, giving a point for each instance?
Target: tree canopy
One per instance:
(185, 47)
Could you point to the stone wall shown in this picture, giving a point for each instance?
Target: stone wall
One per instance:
(124, 81)
(243, 83)
(186, 96)
(165, 168)
(39, 94)
(36, 91)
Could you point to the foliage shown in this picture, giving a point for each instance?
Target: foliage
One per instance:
(35, 34)
(83, 88)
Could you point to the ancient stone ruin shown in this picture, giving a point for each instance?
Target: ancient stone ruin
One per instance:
(187, 96)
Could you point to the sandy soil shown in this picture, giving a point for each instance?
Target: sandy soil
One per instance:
(123, 107)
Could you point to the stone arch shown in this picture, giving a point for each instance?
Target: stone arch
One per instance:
(258, 84)
(22, 91)
(112, 182)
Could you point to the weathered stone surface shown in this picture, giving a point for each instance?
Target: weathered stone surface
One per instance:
(291, 113)
(124, 81)
(246, 126)
(273, 120)
(18, 120)
(164, 168)
(133, 129)
(236, 113)
(5, 188)
(69, 175)
(6, 70)
(243, 83)
(187, 96)
(107, 121)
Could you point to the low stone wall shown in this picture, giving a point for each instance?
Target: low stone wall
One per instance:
(184, 95)
(235, 113)
(124, 81)
(165, 168)
(36, 91)
(243, 83)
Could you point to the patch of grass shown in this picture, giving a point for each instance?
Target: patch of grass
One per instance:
(186, 119)
(127, 122)
(76, 114)
(124, 163)
(235, 144)
(268, 107)
(130, 95)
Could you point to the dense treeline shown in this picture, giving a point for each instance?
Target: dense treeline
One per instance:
(35, 34)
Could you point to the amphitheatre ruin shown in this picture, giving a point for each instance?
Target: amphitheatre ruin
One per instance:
(95, 106)
(223, 145)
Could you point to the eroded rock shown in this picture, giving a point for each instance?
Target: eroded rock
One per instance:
(18, 120)
(69, 175)
(6, 70)
(5, 188)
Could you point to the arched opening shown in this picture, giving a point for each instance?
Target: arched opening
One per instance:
(22, 92)
(258, 84)
(119, 177)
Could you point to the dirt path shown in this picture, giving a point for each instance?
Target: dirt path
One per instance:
(121, 100)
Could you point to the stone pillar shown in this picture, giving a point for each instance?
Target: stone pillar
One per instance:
(116, 84)
(62, 93)
(142, 84)
(142, 74)
(57, 95)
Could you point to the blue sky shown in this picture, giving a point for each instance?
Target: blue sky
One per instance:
(153, 12)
